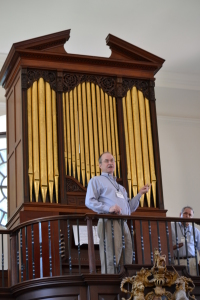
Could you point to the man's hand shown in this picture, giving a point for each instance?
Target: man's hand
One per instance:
(179, 245)
(115, 209)
(144, 189)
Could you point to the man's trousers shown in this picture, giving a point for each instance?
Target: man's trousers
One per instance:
(117, 245)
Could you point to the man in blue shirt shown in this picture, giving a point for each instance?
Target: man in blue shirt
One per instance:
(105, 195)
(186, 233)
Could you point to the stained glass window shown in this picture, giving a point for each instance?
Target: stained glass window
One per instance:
(3, 180)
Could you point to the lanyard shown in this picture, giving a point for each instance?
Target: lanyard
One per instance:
(184, 230)
(117, 187)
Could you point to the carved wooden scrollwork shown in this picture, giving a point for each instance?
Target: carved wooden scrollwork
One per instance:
(152, 91)
(72, 185)
(65, 82)
(142, 85)
(33, 75)
(108, 84)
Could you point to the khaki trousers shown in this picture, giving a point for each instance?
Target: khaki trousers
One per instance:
(117, 242)
(192, 264)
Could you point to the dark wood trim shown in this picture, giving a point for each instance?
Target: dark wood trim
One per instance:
(154, 126)
(121, 135)
(25, 134)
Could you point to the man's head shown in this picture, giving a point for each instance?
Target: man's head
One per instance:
(107, 163)
(187, 212)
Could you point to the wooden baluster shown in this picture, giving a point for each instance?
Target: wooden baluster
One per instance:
(91, 254)
(50, 257)
(168, 248)
(69, 247)
(104, 244)
(150, 241)
(133, 243)
(33, 257)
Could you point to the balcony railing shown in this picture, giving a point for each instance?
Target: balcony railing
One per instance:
(68, 245)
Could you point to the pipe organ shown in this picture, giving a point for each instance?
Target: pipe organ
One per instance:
(64, 110)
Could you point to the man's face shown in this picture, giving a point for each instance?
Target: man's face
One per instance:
(108, 163)
(187, 213)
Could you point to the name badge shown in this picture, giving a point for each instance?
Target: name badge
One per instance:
(183, 239)
(119, 194)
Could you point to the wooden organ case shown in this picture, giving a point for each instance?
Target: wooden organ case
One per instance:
(64, 110)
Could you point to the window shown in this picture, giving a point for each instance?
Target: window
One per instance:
(3, 180)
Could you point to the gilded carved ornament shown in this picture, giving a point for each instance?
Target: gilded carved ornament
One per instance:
(158, 278)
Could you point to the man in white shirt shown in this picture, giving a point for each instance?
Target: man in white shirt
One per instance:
(186, 239)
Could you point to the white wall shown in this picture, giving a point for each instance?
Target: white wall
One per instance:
(178, 113)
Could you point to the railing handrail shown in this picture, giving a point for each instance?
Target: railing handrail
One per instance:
(98, 216)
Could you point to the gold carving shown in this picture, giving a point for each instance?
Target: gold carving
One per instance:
(162, 279)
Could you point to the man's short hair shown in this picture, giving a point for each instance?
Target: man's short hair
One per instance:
(100, 157)
(182, 210)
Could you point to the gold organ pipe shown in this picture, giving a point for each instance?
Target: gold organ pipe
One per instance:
(144, 144)
(91, 145)
(78, 169)
(108, 122)
(36, 166)
(103, 113)
(42, 137)
(151, 153)
(116, 137)
(131, 143)
(30, 142)
(65, 132)
(85, 122)
(72, 134)
(94, 113)
(100, 129)
(49, 141)
(127, 148)
(55, 143)
(69, 154)
(112, 130)
(138, 147)
(82, 156)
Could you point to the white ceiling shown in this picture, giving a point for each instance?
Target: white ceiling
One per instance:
(169, 29)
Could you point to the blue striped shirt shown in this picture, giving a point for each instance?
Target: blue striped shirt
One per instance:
(101, 195)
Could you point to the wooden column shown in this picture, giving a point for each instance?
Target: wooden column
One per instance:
(120, 123)
(25, 134)
(152, 103)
